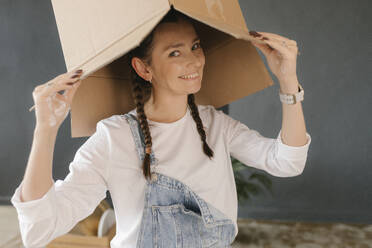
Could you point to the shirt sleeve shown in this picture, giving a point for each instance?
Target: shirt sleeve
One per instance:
(268, 154)
(70, 200)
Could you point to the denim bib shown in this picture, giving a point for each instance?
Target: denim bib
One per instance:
(174, 215)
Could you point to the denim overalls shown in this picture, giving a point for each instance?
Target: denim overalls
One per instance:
(174, 216)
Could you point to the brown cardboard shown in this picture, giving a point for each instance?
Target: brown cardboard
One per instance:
(70, 240)
(96, 36)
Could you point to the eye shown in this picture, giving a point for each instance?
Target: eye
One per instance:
(198, 45)
(172, 53)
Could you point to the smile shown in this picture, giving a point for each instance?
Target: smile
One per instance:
(191, 76)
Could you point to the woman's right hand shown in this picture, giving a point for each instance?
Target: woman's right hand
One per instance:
(51, 107)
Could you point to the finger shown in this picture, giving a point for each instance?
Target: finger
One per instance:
(282, 44)
(284, 51)
(64, 81)
(59, 80)
(262, 39)
(278, 37)
(54, 88)
(69, 79)
(287, 43)
(73, 72)
(265, 49)
(69, 75)
(69, 94)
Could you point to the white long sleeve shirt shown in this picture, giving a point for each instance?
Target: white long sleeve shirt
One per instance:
(108, 160)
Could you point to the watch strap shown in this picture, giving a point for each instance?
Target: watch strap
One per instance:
(292, 98)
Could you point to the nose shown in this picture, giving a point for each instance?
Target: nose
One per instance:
(195, 60)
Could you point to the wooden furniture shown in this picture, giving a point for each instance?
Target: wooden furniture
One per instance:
(84, 234)
(83, 241)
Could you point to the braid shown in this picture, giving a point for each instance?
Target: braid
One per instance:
(142, 90)
(137, 93)
(195, 115)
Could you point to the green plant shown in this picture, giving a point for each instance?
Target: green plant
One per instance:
(251, 186)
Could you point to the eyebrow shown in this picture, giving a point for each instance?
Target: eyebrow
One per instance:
(178, 45)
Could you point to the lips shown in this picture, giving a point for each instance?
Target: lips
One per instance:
(191, 76)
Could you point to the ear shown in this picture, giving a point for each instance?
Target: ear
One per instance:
(141, 68)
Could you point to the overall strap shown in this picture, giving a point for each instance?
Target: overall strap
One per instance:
(139, 138)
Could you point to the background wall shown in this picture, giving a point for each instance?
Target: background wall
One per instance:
(332, 38)
(334, 69)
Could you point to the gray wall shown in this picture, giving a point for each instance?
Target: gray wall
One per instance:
(332, 68)
(336, 184)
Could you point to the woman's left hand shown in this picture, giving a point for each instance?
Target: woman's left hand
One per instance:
(281, 55)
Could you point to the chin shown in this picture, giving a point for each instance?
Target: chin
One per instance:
(193, 89)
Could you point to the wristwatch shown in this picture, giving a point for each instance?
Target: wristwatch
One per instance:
(292, 98)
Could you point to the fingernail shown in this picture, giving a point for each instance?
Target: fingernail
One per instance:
(79, 71)
(254, 33)
(75, 76)
(264, 38)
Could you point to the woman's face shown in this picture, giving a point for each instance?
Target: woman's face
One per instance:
(177, 54)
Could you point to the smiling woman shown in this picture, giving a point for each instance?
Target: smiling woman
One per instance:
(173, 192)
(167, 69)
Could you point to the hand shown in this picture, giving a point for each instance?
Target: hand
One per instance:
(281, 54)
(52, 107)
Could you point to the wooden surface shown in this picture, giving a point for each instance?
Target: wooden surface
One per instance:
(252, 234)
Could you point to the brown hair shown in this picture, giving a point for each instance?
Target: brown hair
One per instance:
(141, 90)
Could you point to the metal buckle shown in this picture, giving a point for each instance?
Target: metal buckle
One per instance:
(154, 177)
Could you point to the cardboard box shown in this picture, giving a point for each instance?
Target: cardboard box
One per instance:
(84, 233)
(96, 36)
(71, 240)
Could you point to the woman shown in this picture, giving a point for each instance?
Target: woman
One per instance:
(188, 196)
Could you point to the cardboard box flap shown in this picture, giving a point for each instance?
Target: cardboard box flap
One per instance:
(239, 76)
(223, 12)
(221, 15)
(96, 36)
(236, 32)
(97, 66)
(105, 93)
(87, 28)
